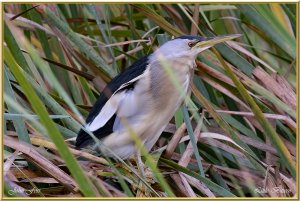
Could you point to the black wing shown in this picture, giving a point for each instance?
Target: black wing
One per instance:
(83, 139)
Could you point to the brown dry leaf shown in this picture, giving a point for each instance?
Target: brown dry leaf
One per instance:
(181, 190)
(175, 16)
(42, 162)
(199, 185)
(175, 140)
(278, 85)
(11, 176)
(289, 145)
(186, 184)
(224, 146)
(47, 180)
(196, 18)
(9, 162)
(205, 68)
(184, 161)
(125, 43)
(114, 191)
(223, 90)
(270, 183)
(243, 50)
(21, 191)
(288, 120)
(257, 144)
(45, 143)
(20, 173)
(187, 155)
(225, 171)
(130, 52)
(270, 158)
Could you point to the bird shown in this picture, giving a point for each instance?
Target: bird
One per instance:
(145, 96)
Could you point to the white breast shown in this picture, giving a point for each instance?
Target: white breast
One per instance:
(149, 107)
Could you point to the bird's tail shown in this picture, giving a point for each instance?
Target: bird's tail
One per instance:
(83, 139)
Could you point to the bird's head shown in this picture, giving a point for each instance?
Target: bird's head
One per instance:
(191, 46)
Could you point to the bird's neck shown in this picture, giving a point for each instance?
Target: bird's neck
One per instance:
(184, 59)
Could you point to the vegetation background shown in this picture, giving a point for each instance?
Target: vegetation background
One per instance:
(58, 58)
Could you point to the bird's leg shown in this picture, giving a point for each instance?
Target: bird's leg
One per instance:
(141, 169)
(144, 172)
(140, 164)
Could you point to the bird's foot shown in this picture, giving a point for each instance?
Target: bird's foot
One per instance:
(141, 189)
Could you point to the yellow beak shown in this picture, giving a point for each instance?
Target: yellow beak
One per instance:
(211, 41)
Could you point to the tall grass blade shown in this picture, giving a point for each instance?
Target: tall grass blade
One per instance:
(83, 182)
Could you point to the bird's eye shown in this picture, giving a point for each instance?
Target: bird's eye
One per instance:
(190, 44)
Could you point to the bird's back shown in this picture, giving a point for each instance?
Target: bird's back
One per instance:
(83, 139)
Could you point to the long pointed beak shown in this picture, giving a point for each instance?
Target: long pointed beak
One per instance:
(211, 41)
